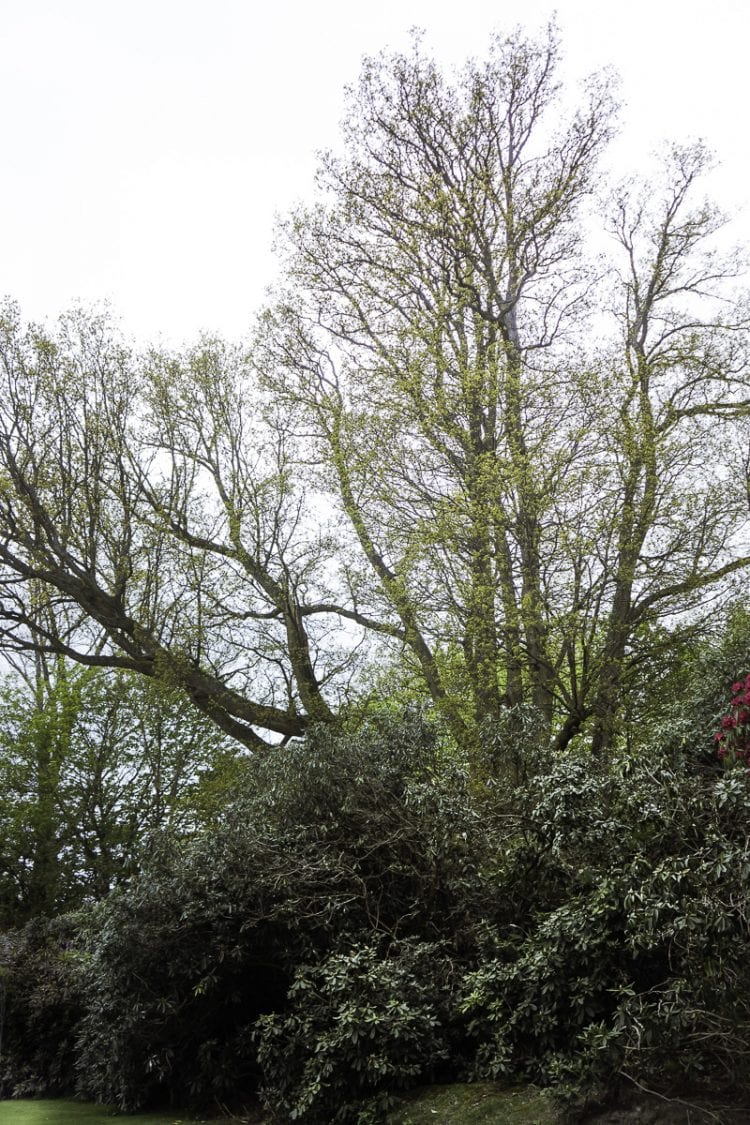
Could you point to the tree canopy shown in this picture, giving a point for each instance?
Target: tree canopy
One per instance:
(491, 431)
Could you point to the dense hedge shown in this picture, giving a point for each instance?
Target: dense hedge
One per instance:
(40, 990)
(362, 921)
(632, 963)
(342, 842)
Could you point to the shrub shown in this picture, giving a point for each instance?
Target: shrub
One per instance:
(172, 983)
(733, 739)
(681, 710)
(41, 981)
(343, 841)
(360, 921)
(360, 1024)
(626, 957)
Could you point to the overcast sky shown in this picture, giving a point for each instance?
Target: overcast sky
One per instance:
(147, 144)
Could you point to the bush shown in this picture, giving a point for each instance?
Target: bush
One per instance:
(626, 958)
(173, 980)
(41, 981)
(343, 842)
(360, 1024)
(682, 708)
(360, 921)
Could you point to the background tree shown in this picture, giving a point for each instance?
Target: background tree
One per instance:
(149, 500)
(94, 766)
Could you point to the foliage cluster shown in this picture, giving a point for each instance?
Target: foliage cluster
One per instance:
(733, 740)
(93, 766)
(362, 921)
(338, 842)
(683, 699)
(39, 1007)
(628, 965)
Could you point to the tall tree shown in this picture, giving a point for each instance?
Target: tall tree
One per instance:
(462, 437)
(524, 439)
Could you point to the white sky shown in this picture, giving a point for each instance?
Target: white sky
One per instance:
(147, 144)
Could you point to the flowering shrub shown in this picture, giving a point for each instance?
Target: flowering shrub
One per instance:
(733, 740)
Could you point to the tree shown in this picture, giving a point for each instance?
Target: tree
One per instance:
(461, 439)
(542, 455)
(94, 766)
(142, 496)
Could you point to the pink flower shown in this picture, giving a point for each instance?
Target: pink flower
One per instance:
(733, 737)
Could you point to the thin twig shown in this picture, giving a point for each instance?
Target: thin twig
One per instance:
(676, 1101)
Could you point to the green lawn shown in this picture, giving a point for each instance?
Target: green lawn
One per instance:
(476, 1104)
(43, 1112)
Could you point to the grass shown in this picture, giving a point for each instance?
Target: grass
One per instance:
(472, 1104)
(475, 1104)
(55, 1112)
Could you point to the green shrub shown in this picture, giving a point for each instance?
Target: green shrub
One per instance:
(360, 921)
(343, 841)
(627, 956)
(360, 1025)
(678, 710)
(41, 981)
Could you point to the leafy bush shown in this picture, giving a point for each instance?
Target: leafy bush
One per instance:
(680, 708)
(360, 1024)
(40, 979)
(343, 841)
(360, 918)
(625, 959)
(733, 739)
(172, 983)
